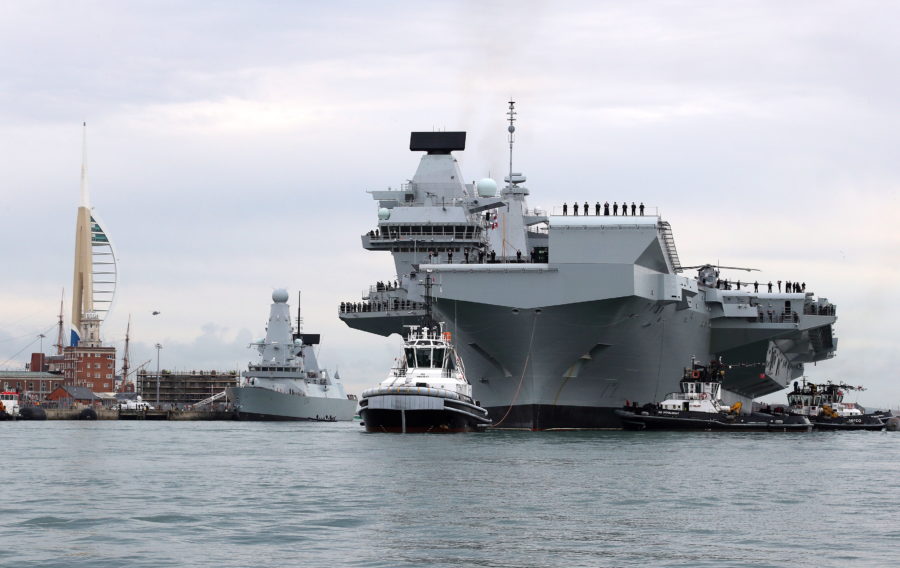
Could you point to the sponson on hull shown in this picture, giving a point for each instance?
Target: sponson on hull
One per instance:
(426, 390)
(699, 407)
(287, 383)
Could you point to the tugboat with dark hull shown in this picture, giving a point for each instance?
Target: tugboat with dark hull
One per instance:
(699, 407)
(426, 390)
(824, 405)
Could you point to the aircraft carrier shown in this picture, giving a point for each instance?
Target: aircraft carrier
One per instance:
(561, 319)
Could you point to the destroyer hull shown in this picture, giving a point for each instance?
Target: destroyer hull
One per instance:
(254, 403)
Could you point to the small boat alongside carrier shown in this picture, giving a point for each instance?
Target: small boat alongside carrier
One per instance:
(699, 407)
(824, 405)
(425, 391)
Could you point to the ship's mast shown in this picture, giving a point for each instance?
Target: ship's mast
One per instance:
(511, 113)
(428, 319)
(299, 317)
(59, 325)
(125, 356)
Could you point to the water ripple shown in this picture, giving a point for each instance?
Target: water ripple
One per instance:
(238, 494)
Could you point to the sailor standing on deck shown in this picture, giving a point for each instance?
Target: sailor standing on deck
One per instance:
(634, 209)
(606, 208)
(586, 210)
(575, 208)
(615, 208)
(597, 209)
(565, 209)
(642, 208)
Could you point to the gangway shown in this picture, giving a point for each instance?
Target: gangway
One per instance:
(210, 400)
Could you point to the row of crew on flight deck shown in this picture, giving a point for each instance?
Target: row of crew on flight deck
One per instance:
(796, 287)
(605, 209)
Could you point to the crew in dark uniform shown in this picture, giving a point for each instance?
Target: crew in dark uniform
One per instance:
(565, 209)
(606, 208)
(597, 209)
(770, 286)
(615, 208)
(642, 208)
(586, 210)
(633, 209)
(756, 286)
(575, 208)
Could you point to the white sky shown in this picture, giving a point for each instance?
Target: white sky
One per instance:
(231, 144)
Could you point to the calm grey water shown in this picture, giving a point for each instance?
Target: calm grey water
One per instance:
(270, 494)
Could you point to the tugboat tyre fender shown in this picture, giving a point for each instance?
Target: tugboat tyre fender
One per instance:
(87, 414)
(32, 413)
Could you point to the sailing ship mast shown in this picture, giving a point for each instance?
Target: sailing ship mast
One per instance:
(60, 337)
(125, 362)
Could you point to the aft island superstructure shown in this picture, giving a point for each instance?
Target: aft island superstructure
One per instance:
(561, 319)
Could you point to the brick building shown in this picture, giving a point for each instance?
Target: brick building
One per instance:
(37, 383)
(91, 367)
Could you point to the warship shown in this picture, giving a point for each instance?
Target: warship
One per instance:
(560, 319)
(287, 383)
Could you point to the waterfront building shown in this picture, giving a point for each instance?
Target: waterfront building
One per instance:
(36, 383)
(66, 396)
(185, 387)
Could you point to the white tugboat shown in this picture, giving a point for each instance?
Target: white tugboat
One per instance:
(699, 407)
(287, 383)
(9, 405)
(426, 390)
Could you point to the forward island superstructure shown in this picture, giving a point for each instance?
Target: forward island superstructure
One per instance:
(561, 319)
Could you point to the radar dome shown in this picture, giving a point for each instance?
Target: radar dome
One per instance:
(486, 187)
(384, 213)
(280, 296)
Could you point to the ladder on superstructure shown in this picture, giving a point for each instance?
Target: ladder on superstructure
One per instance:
(669, 241)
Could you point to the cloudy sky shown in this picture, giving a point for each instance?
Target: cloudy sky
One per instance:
(231, 144)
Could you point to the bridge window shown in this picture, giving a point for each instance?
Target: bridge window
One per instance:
(438, 361)
(423, 357)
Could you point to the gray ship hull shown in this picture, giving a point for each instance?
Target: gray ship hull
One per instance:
(253, 403)
(572, 366)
